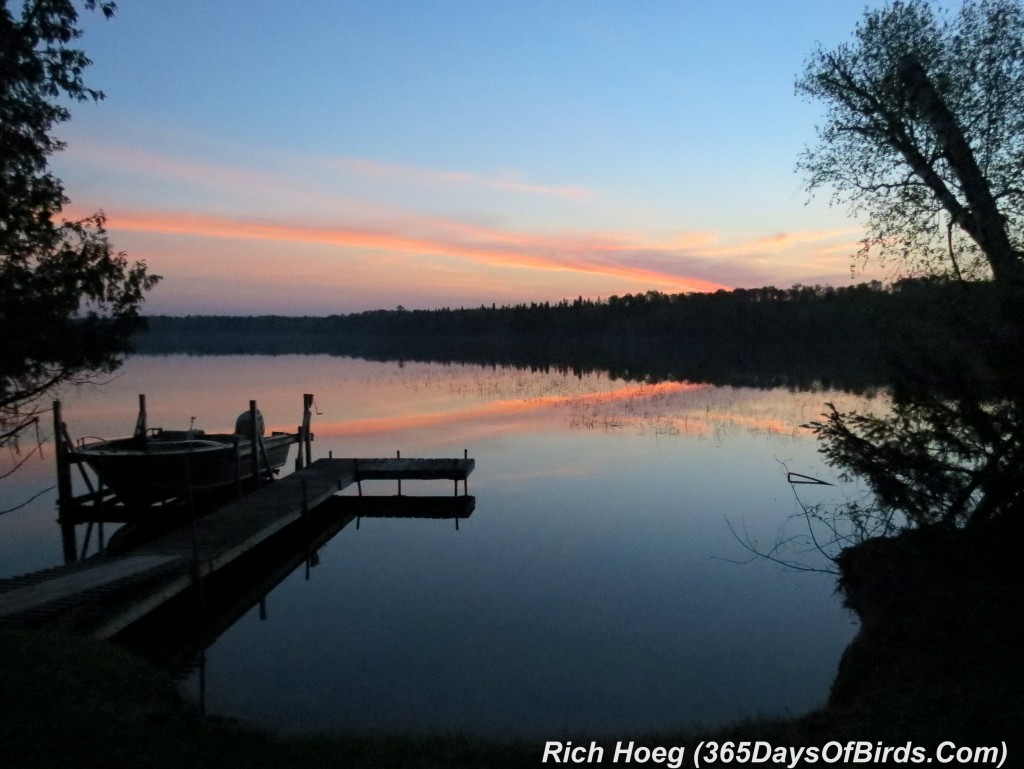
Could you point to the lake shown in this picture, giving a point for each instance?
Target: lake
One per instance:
(599, 588)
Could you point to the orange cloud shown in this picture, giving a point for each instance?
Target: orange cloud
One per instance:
(479, 245)
(783, 241)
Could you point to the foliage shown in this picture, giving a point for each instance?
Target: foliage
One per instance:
(924, 135)
(68, 301)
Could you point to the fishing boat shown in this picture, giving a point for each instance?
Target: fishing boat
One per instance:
(156, 465)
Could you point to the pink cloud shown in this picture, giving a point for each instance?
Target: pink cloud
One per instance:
(586, 254)
(773, 244)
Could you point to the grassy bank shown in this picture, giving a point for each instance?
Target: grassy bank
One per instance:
(937, 659)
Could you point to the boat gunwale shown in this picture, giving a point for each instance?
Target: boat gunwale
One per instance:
(130, 447)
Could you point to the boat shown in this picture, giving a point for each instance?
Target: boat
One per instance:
(157, 465)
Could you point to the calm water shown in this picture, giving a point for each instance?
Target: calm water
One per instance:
(597, 588)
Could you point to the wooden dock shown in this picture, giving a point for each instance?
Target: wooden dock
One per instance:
(104, 594)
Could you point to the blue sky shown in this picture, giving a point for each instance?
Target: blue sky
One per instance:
(324, 157)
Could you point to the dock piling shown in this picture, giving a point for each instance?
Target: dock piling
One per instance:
(254, 443)
(306, 436)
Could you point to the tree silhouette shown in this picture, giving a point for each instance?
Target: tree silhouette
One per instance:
(68, 301)
(923, 135)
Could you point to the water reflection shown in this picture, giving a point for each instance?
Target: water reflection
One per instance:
(948, 452)
(592, 590)
(177, 635)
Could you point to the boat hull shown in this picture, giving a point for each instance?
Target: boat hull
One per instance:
(173, 465)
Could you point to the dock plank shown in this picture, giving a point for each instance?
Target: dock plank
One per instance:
(226, 533)
(414, 469)
(79, 581)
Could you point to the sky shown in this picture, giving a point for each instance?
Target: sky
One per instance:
(330, 156)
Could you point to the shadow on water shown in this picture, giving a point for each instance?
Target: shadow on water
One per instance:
(176, 636)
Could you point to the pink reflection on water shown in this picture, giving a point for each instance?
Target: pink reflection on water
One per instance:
(507, 416)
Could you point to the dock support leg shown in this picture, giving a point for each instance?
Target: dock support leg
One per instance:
(65, 494)
(85, 542)
(254, 443)
(307, 418)
(68, 540)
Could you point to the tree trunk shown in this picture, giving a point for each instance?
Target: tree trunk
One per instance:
(982, 220)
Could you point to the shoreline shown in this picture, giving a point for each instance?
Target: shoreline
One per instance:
(934, 661)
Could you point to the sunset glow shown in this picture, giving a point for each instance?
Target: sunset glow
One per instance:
(498, 250)
(504, 164)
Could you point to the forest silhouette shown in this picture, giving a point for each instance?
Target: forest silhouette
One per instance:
(806, 337)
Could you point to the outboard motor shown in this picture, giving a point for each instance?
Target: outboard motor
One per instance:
(243, 425)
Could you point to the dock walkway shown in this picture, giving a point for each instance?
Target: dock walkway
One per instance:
(104, 594)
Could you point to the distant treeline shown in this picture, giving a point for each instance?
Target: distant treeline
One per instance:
(803, 336)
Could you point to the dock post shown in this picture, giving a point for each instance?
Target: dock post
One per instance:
(266, 460)
(254, 443)
(61, 451)
(64, 491)
(68, 540)
(85, 542)
(307, 418)
(398, 455)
